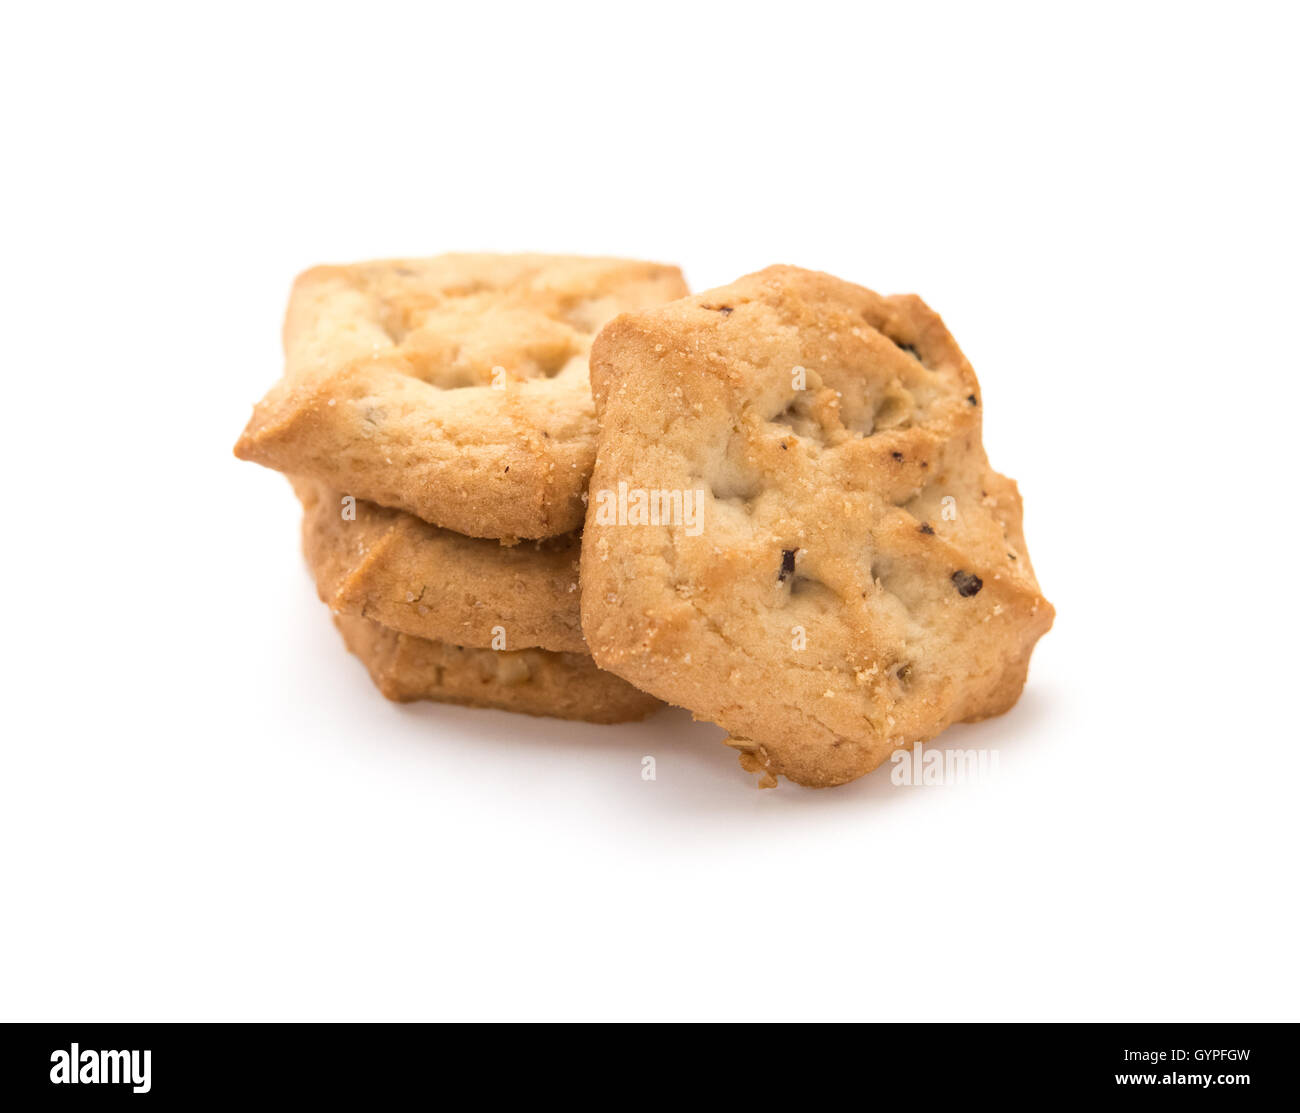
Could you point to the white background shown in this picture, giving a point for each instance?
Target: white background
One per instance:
(207, 812)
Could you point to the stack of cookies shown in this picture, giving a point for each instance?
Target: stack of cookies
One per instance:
(436, 422)
(791, 527)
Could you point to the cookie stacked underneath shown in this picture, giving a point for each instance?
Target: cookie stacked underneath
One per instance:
(436, 421)
(788, 522)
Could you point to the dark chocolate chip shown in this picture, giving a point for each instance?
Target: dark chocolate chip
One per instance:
(972, 400)
(725, 310)
(911, 351)
(904, 673)
(968, 584)
(787, 564)
(897, 455)
(927, 528)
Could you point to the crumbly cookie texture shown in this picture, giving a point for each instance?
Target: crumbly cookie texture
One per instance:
(857, 578)
(532, 681)
(426, 581)
(454, 388)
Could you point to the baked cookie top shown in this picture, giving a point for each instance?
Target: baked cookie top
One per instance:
(423, 580)
(793, 529)
(454, 388)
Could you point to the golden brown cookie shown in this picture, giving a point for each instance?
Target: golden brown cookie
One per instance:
(836, 571)
(532, 681)
(454, 388)
(419, 579)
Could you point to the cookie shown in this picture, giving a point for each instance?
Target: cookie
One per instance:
(532, 681)
(454, 388)
(419, 579)
(793, 529)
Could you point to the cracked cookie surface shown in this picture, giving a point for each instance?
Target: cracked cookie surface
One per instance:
(419, 579)
(454, 388)
(530, 681)
(857, 578)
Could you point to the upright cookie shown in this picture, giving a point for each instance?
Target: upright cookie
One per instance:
(531, 681)
(389, 566)
(793, 529)
(454, 388)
